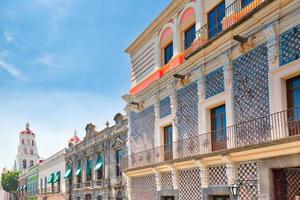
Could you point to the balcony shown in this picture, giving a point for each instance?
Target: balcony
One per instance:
(266, 129)
(92, 184)
(234, 14)
(50, 190)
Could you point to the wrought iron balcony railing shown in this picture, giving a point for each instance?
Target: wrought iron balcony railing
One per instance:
(93, 184)
(273, 127)
(236, 12)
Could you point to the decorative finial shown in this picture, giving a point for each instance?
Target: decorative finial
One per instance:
(107, 124)
(75, 133)
(27, 125)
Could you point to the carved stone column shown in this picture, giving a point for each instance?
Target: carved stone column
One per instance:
(172, 93)
(156, 101)
(228, 73)
(272, 44)
(275, 82)
(202, 125)
(199, 15)
(230, 169)
(175, 178)
(203, 173)
(157, 51)
(157, 180)
(176, 37)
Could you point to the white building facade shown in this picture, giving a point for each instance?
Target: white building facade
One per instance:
(51, 177)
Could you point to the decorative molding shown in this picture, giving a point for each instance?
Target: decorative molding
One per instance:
(201, 83)
(272, 41)
(228, 69)
(157, 179)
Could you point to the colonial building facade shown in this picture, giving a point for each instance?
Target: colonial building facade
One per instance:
(215, 102)
(51, 177)
(93, 164)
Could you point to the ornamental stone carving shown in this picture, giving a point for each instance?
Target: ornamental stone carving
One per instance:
(270, 33)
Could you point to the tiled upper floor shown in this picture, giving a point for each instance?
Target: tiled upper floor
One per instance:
(180, 31)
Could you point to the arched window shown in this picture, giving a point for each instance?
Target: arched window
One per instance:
(24, 164)
(25, 150)
(31, 151)
(32, 142)
(166, 43)
(31, 163)
(187, 27)
(22, 141)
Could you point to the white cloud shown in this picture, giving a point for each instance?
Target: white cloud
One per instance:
(47, 60)
(11, 69)
(9, 37)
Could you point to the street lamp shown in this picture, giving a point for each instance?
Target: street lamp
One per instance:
(234, 190)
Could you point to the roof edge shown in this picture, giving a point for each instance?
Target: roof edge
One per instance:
(154, 24)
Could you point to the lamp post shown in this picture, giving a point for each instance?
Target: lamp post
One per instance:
(234, 190)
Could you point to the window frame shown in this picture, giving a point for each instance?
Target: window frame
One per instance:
(218, 25)
(167, 45)
(189, 27)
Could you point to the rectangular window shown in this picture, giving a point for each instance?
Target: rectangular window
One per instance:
(168, 142)
(168, 53)
(293, 99)
(45, 184)
(215, 18)
(119, 155)
(89, 164)
(246, 3)
(218, 128)
(100, 170)
(189, 36)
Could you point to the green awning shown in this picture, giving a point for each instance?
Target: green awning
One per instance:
(24, 187)
(89, 167)
(18, 189)
(68, 173)
(78, 172)
(50, 179)
(56, 177)
(98, 166)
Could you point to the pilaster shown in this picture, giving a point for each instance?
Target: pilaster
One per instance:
(157, 179)
(230, 170)
(203, 173)
(228, 74)
(176, 37)
(202, 127)
(172, 93)
(157, 52)
(175, 177)
(199, 5)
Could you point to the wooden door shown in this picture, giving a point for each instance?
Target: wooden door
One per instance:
(293, 99)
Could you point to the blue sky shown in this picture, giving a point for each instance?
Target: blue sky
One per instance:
(62, 65)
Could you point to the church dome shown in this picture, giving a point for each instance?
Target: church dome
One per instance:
(75, 139)
(27, 130)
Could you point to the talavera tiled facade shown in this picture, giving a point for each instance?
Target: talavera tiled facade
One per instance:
(217, 111)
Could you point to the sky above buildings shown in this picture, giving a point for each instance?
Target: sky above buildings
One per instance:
(62, 65)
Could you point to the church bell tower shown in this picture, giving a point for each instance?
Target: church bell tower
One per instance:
(27, 150)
